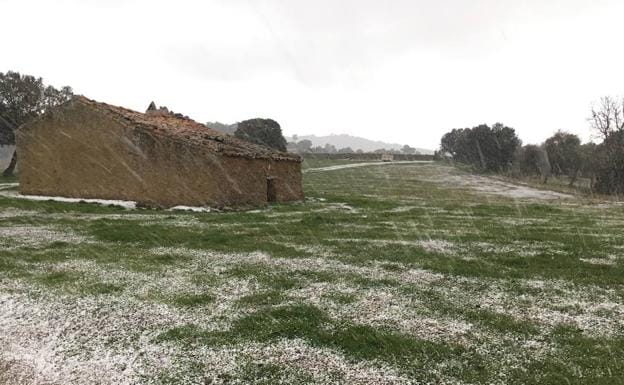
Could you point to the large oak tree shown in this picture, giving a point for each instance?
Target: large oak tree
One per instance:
(23, 98)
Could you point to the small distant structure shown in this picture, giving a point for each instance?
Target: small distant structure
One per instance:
(387, 157)
(87, 149)
(153, 110)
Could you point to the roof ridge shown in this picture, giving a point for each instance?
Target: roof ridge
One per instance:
(190, 131)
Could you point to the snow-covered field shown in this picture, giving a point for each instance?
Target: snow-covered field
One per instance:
(407, 273)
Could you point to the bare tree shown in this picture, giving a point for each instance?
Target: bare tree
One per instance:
(607, 119)
(608, 116)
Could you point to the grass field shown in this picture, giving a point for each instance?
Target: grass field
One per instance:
(387, 274)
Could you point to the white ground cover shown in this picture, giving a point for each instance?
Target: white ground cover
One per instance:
(53, 338)
(105, 202)
(364, 164)
(488, 185)
(4, 186)
(13, 236)
(61, 335)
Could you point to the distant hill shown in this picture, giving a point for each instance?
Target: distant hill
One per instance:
(355, 142)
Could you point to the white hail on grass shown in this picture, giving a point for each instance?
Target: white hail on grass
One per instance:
(380, 307)
(58, 339)
(431, 245)
(104, 202)
(69, 339)
(38, 235)
(364, 164)
(6, 186)
(488, 185)
(610, 260)
(11, 212)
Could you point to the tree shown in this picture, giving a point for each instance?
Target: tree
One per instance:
(589, 160)
(487, 149)
(23, 98)
(533, 160)
(408, 150)
(450, 142)
(609, 158)
(304, 146)
(265, 132)
(608, 116)
(607, 120)
(564, 154)
(329, 149)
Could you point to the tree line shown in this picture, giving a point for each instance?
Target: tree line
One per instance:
(23, 98)
(498, 149)
(306, 146)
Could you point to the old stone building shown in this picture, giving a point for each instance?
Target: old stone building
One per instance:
(86, 149)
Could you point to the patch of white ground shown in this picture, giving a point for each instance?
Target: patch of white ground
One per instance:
(596, 311)
(520, 248)
(429, 245)
(448, 177)
(6, 186)
(364, 164)
(43, 198)
(295, 357)
(36, 236)
(466, 250)
(79, 339)
(381, 308)
(106, 341)
(218, 263)
(543, 307)
(11, 212)
(104, 202)
(55, 338)
(610, 260)
(546, 303)
(511, 221)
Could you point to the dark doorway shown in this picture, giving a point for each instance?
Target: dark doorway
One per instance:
(271, 194)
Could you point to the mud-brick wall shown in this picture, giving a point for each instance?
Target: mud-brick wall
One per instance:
(193, 175)
(76, 152)
(83, 153)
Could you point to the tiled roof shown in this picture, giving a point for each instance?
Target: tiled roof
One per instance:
(188, 130)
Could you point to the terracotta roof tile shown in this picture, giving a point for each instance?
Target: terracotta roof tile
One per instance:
(190, 131)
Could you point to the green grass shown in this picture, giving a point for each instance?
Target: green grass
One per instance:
(380, 268)
(8, 179)
(310, 323)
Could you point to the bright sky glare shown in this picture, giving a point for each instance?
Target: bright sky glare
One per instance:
(401, 71)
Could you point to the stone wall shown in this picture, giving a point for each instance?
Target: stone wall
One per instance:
(79, 152)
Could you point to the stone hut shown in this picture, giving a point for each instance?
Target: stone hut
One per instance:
(86, 149)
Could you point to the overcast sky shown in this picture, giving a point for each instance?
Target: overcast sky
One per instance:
(403, 71)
